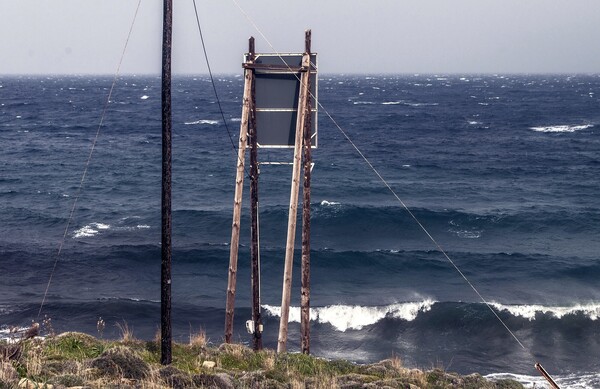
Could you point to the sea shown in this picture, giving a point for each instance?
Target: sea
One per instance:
(503, 171)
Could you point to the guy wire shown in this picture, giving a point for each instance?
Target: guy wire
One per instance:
(212, 81)
(89, 159)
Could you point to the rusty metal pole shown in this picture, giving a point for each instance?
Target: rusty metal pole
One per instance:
(254, 249)
(165, 279)
(305, 267)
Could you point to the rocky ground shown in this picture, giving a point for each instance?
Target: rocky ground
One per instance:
(76, 360)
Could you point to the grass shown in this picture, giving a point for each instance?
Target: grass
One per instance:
(75, 359)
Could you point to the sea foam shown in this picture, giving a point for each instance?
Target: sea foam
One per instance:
(355, 317)
(562, 128)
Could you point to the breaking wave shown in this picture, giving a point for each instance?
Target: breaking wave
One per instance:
(529, 312)
(355, 317)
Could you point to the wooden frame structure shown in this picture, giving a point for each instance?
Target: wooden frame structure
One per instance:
(302, 148)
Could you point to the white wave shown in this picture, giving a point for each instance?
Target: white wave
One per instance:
(363, 102)
(392, 102)
(578, 381)
(144, 97)
(236, 119)
(202, 121)
(142, 226)
(355, 317)
(529, 312)
(562, 128)
(474, 122)
(89, 230)
(326, 203)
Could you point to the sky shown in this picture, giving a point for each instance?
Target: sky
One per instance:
(350, 36)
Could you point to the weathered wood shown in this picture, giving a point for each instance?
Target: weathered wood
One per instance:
(291, 232)
(254, 249)
(284, 68)
(305, 267)
(547, 376)
(237, 209)
(165, 281)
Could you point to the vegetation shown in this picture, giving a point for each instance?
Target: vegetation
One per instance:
(78, 360)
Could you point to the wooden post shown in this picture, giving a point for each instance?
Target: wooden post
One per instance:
(237, 202)
(547, 376)
(291, 232)
(254, 249)
(165, 279)
(305, 269)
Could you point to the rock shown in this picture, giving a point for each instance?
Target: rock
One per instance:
(209, 364)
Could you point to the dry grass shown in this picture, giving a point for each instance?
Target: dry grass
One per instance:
(269, 360)
(396, 362)
(198, 339)
(7, 372)
(33, 362)
(126, 332)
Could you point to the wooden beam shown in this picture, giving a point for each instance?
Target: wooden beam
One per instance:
(237, 205)
(285, 68)
(291, 232)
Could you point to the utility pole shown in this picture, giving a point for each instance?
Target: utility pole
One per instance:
(165, 279)
(305, 267)
(254, 249)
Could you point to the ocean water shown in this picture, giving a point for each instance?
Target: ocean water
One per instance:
(504, 171)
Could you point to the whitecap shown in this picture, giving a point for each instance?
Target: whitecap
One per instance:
(326, 203)
(90, 230)
(355, 317)
(144, 97)
(236, 119)
(562, 128)
(529, 312)
(421, 104)
(392, 102)
(203, 121)
(363, 102)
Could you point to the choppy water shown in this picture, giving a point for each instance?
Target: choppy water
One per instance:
(503, 170)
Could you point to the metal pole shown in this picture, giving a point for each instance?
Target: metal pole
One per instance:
(165, 279)
(237, 206)
(254, 249)
(305, 269)
(291, 232)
